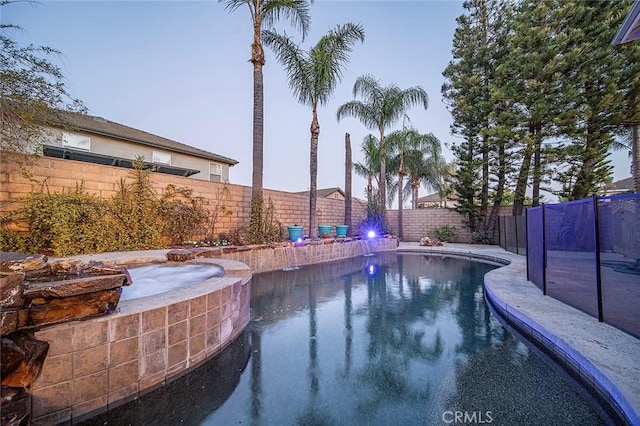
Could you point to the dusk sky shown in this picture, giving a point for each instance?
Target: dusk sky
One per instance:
(179, 69)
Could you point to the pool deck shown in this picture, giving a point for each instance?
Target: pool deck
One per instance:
(604, 357)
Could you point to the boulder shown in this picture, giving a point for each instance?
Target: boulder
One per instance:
(19, 262)
(11, 289)
(15, 404)
(21, 357)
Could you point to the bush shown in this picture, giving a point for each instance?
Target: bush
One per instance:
(263, 226)
(69, 223)
(375, 219)
(444, 233)
(482, 237)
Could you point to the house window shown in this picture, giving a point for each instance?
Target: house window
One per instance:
(215, 172)
(73, 140)
(161, 157)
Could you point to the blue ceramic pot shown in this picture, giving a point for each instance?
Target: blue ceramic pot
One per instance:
(324, 231)
(295, 232)
(341, 230)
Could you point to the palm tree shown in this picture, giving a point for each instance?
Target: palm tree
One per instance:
(264, 14)
(380, 109)
(409, 153)
(370, 169)
(313, 76)
(443, 184)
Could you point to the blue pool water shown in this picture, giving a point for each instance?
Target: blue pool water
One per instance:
(389, 339)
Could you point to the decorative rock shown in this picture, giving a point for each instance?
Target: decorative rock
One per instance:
(12, 320)
(73, 287)
(22, 357)
(15, 406)
(180, 255)
(18, 262)
(47, 310)
(11, 290)
(426, 241)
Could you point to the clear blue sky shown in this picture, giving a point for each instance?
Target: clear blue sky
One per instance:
(180, 70)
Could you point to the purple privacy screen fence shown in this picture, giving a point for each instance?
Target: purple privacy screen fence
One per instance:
(586, 253)
(513, 235)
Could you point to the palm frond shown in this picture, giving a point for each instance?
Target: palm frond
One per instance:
(296, 64)
(296, 11)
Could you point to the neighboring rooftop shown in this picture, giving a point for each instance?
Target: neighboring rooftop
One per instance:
(622, 186)
(103, 127)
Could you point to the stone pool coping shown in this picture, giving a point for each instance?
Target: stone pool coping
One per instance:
(605, 358)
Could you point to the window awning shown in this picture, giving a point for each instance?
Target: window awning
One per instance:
(630, 29)
(108, 160)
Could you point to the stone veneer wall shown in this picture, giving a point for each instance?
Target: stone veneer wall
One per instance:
(269, 258)
(110, 360)
(57, 175)
(104, 362)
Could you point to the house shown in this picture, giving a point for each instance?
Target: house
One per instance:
(93, 139)
(435, 200)
(623, 186)
(332, 193)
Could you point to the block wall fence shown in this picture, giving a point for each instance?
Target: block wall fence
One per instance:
(58, 175)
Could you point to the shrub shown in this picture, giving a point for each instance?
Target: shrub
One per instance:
(263, 226)
(375, 218)
(69, 223)
(482, 237)
(444, 233)
(64, 224)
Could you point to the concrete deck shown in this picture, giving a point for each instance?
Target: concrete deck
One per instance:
(603, 357)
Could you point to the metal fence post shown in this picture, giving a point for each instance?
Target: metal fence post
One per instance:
(526, 238)
(544, 252)
(596, 225)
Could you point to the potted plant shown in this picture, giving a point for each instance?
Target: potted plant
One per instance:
(324, 231)
(341, 230)
(295, 232)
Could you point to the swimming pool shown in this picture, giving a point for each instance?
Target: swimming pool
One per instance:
(388, 339)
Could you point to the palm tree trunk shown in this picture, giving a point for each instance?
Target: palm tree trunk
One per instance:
(414, 188)
(257, 59)
(382, 184)
(347, 182)
(400, 201)
(635, 161)
(313, 172)
(400, 191)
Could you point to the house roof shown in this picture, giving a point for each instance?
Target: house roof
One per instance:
(432, 198)
(103, 127)
(622, 185)
(630, 28)
(323, 192)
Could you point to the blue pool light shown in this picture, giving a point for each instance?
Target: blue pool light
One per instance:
(371, 234)
(299, 240)
(371, 270)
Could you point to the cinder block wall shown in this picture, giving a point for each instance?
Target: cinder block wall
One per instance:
(232, 202)
(418, 223)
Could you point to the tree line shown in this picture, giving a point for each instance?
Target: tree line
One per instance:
(539, 97)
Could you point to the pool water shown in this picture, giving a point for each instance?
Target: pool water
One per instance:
(391, 339)
(154, 279)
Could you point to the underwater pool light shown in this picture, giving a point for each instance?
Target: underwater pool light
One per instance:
(371, 270)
